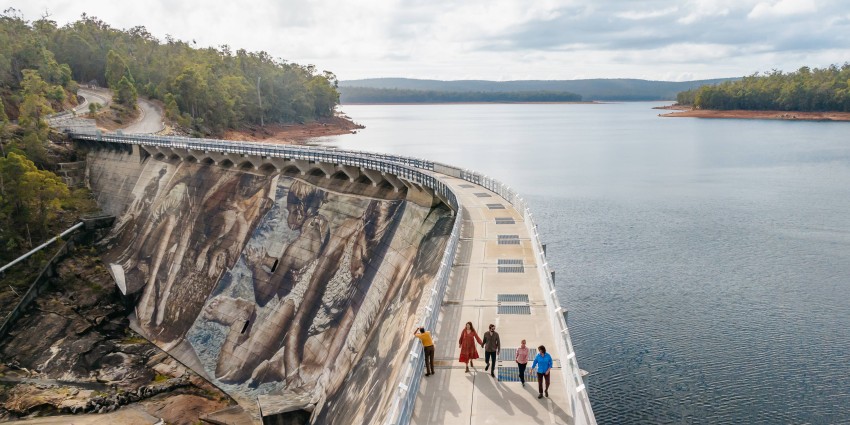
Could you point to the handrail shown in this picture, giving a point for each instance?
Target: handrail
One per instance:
(410, 169)
(40, 247)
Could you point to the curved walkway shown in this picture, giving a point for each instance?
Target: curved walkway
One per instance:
(453, 396)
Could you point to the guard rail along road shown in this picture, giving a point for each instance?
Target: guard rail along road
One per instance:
(422, 172)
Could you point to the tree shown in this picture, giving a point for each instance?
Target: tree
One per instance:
(116, 69)
(29, 198)
(125, 92)
(4, 122)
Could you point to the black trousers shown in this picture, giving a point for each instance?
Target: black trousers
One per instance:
(521, 367)
(429, 359)
(487, 356)
(540, 378)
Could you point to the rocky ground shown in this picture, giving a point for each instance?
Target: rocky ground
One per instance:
(74, 353)
(685, 111)
(295, 133)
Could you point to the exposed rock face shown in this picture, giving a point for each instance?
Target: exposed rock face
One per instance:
(294, 289)
(74, 353)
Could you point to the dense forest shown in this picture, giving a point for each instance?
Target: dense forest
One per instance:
(207, 89)
(204, 90)
(619, 89)
(376, 95)
(805, 90)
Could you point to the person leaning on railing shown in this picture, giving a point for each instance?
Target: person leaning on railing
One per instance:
(428, 344)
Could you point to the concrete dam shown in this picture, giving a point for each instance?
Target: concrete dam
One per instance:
(291, 277)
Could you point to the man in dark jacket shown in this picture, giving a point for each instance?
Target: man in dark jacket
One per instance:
(492, 345)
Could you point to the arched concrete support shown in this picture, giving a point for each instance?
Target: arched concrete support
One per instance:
(411, 185)
(219, 158)
(340, 175)
(291, 170)
(373, 175)
(327, 168)
(352, 172)
(226, 163)
(268, 168)
(393, 180)
(302, 165)
(246, 165)
(278, 163)
(207, 161)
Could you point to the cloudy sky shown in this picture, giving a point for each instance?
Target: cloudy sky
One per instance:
(499, 39)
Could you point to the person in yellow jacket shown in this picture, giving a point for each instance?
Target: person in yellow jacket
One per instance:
(428, 343)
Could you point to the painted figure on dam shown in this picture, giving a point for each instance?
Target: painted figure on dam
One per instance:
(187, 207)
(334, 238)
(294, 289)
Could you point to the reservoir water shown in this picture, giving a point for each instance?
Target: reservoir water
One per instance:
(705, 263)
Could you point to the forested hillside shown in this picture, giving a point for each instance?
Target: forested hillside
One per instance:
(207, 89)
(805, 90)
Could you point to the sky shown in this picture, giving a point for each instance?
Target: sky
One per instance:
(498, 39)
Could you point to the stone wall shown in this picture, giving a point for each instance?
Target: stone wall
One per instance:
(297, 290)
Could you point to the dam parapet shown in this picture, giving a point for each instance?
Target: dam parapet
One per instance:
(291, 275)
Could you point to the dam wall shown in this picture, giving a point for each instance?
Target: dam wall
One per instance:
(291, 290)
(365, 395)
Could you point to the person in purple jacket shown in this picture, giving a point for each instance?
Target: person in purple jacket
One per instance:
(543, 363)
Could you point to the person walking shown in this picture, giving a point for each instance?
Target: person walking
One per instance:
(466, 343)
(492, 345)
(522, 361)
(543, 363)
(428, 344)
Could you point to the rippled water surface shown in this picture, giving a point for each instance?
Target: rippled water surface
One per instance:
(705, 263)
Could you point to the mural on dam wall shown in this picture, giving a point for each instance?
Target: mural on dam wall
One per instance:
(274, 286)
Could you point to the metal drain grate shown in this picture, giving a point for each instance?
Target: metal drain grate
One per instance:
(467, 186)
(505, 220)
(508, 354)
(511, 269)
(514, 309)
(511, 374)
(512, 298)
(483, 195)
(510, 261)
(508, 239)
(496, 206)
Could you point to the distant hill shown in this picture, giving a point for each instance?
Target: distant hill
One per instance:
(589, 90)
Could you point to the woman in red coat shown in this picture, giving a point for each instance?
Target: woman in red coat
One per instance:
(468, 336)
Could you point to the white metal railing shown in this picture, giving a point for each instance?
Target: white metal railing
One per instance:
(409, 168)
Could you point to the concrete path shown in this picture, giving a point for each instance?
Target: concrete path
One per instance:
(452, 396)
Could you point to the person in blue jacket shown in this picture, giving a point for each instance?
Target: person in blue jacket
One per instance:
(543, 363)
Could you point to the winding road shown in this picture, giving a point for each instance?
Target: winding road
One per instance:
(149, 121)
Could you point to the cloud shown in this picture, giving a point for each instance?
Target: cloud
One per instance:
(635, 15)
(782, 8)
(499, 39)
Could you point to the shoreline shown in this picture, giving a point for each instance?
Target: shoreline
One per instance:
(687, 112)
(295, 134)
(592, 102)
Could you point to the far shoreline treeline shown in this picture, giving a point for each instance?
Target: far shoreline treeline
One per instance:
(805, 90)
(370, 95)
